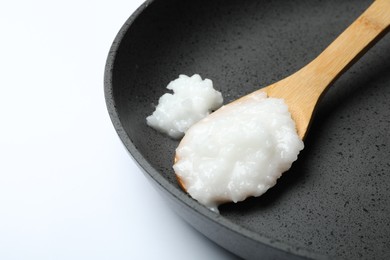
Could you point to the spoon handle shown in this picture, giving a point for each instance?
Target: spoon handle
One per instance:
(303, 89)
(359, 37)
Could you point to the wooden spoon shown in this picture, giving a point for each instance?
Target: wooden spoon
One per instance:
(302, 90)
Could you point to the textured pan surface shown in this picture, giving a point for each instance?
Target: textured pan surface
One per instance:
(335, 201)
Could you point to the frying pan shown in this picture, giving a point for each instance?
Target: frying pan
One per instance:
(335, 201)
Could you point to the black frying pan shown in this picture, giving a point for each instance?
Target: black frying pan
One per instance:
(335, 200)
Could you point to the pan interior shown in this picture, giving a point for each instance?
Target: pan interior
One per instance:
(335, 199)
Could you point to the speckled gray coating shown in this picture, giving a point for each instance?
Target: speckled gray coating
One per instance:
(335, 201)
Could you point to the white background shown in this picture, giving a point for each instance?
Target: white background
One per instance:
(68, 189)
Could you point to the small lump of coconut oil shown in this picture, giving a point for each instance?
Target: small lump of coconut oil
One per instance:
(238, 151)
(192, 100)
